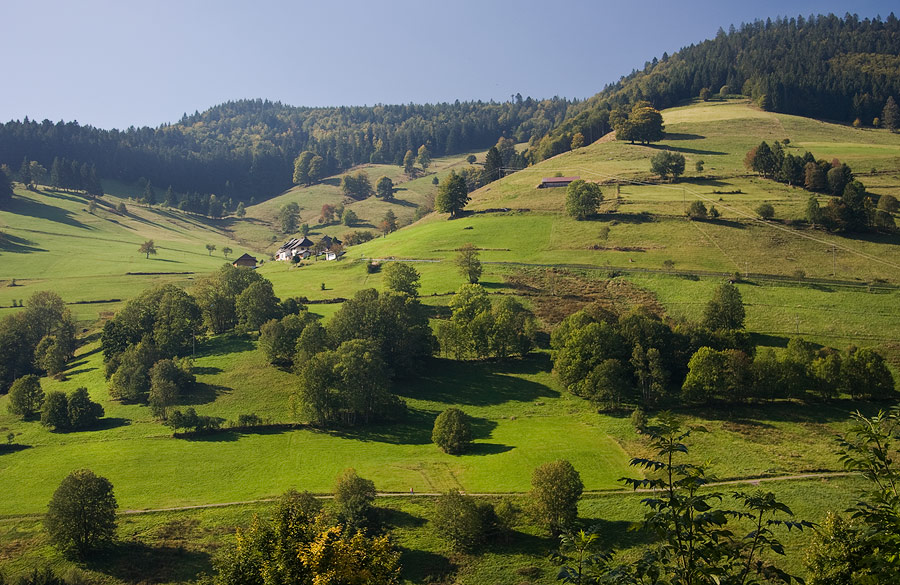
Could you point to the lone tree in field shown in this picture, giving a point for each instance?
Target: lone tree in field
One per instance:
(667, 164)
(452, 195)
(452, 431)
(725, 310)
(766, 211)
(210, 248)
(353, 498)
(556, 488)
(384, 188)
(148, 248)
(81, 515)
(402, 277)
(226, 251)
(583, 199)
(468, 263)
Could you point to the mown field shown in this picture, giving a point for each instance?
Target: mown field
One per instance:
(845, 295)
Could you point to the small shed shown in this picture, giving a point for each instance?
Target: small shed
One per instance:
(548, 182)
(246, 261)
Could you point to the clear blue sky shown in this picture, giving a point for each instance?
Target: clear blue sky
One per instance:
(118, 63)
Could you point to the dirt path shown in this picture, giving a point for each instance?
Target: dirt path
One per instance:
(755, 481)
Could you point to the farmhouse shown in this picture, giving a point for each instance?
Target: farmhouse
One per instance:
(246, 260)
(548, 182)
(294, 247)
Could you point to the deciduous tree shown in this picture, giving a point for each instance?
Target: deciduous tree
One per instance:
(81, 515)
(468, 263)
(402, 277)
(453, 195)
(26, 396)
(556, 488)
(452, 431)
(583, 199)
(148, 248)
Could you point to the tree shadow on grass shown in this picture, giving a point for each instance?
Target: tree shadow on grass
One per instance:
(403, 202)
(70, 373)
(414, 429)
(681, 136)
(36, 209)
(631, 218)
(110, 422)
(617, 534)
(766, 340)
(727, 223)
(402, 519)
(17, 245)
(203, 393)
(787, 411)
(206, 370)
(420, 566)
(13, 448)
(684, 149)
(488, 449)
(226, 345)
(478, 383)
(136, 562)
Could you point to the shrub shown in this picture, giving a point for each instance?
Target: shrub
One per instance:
(696, 210)
(639, 419)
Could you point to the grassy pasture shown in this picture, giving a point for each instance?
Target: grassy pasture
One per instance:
(174, 547)
(51, 242)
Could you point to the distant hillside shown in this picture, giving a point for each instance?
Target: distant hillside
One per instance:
(823, 67)
(246, 148)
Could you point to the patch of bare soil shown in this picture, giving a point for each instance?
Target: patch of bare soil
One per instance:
(557, 293)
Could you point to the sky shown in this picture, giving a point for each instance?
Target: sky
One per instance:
(115, 64)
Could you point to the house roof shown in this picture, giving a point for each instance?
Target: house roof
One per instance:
(303, 242)
(246, 257)
(559, 179)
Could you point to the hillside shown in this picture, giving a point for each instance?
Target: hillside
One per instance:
(848, 293)
(49, 240)
(824, 66)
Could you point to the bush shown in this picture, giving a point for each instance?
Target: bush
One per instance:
(452, 431)
(639, 419)
(75, 412)
(249, 420)
(696, 210)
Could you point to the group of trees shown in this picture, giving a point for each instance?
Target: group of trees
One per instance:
(638, 357)
(479, 328)
(145, 345)
(57, 410)
(667, 164)
(345, 369)
(643, 123)
(850, 209)
(40, 339)
(357, 186)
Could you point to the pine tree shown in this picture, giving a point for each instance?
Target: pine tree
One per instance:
(56, 174)
(25, 172)
(890, 116)
(149, 194)
(493, 166)
(171, 199)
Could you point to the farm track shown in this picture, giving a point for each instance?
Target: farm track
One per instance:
(753, 481)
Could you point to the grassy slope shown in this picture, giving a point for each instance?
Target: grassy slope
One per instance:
(523, 418)
(52, 243)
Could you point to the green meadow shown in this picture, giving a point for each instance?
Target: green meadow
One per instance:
(841, 291)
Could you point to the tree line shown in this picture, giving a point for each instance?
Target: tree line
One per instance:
(247, 148)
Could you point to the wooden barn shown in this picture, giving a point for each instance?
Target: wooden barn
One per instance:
(548, 182)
